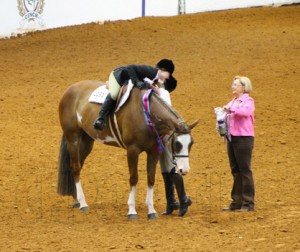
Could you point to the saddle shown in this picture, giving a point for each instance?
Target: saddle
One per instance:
(123, 95)
(99, 95)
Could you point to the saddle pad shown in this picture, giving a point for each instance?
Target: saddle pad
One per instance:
(99, 95)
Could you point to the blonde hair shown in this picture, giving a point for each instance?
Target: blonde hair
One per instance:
(245, 82)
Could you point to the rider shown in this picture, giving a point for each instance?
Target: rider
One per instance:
(136, 73)
(169, 174)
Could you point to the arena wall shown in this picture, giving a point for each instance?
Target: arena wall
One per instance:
(19, 16)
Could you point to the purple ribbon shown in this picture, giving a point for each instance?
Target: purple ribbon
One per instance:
(149, 121)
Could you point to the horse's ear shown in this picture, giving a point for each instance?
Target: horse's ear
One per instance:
(194, 124)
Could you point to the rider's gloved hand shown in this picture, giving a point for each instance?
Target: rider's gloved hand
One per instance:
(142, 85)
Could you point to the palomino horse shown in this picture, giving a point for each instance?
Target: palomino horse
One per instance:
(127, 128)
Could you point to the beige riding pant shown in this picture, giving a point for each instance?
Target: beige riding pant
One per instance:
(114, 86)
(165, 159)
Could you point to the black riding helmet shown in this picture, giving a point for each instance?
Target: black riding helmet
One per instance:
(166, 65)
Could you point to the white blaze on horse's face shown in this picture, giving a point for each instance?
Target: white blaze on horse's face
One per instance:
(181, 148)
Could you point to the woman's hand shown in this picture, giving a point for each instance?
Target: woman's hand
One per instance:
(226, 109)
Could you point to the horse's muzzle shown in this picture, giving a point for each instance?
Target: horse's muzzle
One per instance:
(182, 172)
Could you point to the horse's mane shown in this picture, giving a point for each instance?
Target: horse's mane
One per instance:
(182, 124)
(167, 106)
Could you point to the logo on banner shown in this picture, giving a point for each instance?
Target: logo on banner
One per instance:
(30, 11)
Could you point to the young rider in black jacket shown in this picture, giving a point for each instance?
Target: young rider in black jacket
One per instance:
(136, 73)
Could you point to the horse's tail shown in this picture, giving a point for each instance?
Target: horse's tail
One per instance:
(65, 183)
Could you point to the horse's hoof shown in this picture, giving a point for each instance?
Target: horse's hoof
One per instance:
(152, 216)
(132, 216)
(84, 209)
(76, 205)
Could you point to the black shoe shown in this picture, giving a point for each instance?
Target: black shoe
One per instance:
(184, 207)
(228, 209)
(231, 207)
(172, 204)
(185, 201)
(171, 207)
(246, 208)
(99, 124)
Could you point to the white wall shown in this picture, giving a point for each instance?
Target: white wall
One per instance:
(57, 13)
(211, 5)
(161, 7)
(68, 12)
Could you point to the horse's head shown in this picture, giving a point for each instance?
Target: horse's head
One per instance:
(168, 122)
(181, 142)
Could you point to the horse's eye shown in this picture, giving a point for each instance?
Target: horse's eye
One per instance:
(177, 147)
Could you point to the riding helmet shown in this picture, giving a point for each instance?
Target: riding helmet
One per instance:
(166, 65)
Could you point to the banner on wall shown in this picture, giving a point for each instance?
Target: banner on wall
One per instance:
(31, 14)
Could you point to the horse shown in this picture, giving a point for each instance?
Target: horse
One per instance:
(128, 129)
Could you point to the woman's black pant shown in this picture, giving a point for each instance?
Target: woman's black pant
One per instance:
(239, 151)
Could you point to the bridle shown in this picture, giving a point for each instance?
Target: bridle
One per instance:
(152, 128)
(172, 137)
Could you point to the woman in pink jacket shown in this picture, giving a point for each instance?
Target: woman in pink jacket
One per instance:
(240, 141)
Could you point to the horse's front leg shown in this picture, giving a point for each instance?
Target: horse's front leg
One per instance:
(152, 159)
(132, 159)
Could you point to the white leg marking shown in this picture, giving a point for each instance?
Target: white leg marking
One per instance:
(149, 200)
(131, 201)
(80, 195)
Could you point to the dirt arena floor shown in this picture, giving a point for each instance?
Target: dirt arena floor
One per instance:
(209, 49)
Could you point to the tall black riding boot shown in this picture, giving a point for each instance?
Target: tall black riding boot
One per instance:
(172, 204)
(184, 200)
(107, 107)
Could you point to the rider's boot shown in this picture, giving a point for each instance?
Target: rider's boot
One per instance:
(106, 108)
(184, 200)
(172, 204)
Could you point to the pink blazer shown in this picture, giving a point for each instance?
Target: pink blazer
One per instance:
(241, 118)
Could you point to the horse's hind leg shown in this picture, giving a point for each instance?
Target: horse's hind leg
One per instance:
(79, 147)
